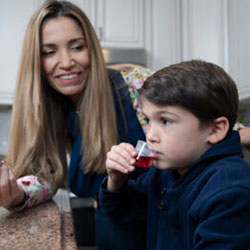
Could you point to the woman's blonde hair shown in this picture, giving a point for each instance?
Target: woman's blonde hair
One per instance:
(38, 136)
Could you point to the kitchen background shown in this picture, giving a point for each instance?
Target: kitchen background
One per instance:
(162, 31)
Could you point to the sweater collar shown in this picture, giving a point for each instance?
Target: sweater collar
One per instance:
(229, 146)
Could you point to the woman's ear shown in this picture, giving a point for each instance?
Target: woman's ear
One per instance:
(219, 129)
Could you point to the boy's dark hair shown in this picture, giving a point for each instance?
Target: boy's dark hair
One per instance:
(203, 88)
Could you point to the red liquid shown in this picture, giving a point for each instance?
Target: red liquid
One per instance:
(144, 161)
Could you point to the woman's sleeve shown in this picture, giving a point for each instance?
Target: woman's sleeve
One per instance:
(134, 76)
(37, 190)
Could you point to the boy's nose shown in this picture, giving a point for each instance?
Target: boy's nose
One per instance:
(152, 134)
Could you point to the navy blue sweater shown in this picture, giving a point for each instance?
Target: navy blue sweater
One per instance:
(208, 207)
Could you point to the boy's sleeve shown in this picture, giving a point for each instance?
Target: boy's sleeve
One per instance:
(128, 203)
(224, 221)
(112, 203)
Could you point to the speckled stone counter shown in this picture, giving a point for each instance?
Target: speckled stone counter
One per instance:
(46, 226)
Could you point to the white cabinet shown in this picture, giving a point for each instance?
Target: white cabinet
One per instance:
(189, 29)
(118, 23)
(203, 30)
(215, 30)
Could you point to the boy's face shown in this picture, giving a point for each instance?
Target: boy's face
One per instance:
(176, 135)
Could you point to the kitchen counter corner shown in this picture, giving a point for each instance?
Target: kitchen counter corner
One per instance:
(46, 226)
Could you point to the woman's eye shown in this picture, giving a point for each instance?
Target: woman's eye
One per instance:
(48, 53)
(78, 47)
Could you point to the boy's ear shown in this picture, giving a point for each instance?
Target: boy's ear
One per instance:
(219, 130)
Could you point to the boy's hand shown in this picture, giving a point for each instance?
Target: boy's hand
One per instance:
(120, 162)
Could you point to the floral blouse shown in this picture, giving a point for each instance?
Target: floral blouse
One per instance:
(37, 190)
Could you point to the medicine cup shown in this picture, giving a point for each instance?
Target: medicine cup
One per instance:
(145, 155)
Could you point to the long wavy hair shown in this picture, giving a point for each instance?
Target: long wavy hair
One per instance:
(38, 140)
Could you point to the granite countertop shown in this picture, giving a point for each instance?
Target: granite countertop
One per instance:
(46, 226)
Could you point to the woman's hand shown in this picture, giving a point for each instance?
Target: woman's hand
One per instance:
(120, 162)
(10, 193)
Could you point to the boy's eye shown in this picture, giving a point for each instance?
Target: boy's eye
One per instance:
(166, 122)
(146, 120)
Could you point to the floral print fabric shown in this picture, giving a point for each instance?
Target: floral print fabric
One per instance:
(135, 77)
(37, 191)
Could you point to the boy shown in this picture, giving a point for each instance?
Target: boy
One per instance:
(197, 196)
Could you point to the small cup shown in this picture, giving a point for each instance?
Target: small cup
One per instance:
(145, 155)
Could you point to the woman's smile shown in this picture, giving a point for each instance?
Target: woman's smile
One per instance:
(70, 78)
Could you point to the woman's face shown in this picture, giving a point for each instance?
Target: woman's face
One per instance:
(65, 57)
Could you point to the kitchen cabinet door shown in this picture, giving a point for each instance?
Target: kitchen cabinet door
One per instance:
(118, 23)
(204, 26)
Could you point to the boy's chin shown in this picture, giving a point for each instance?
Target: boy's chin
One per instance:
(164, 166)
(161, 166)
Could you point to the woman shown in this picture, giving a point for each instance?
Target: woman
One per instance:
(67, 102)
